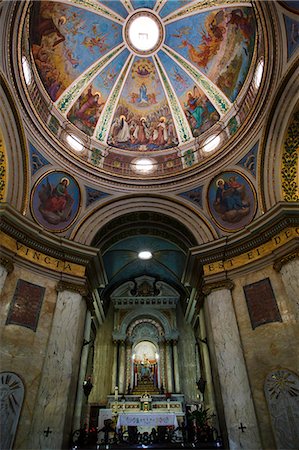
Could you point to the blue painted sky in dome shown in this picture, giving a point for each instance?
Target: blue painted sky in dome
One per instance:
(172, 5)
(143, 4)
(106, 79)
(93, 37)
(116, 6)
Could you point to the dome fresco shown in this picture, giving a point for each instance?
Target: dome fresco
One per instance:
(134, 103)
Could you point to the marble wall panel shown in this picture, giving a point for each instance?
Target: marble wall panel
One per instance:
(22, 350)
(269, 346)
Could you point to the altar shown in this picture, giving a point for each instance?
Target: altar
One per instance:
(147, 419)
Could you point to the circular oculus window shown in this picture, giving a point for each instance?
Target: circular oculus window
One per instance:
(143, 33)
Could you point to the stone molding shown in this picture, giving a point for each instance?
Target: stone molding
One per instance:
(29, 234)
(72, 287)
(279, 263)
(7, 264)
(217, 285)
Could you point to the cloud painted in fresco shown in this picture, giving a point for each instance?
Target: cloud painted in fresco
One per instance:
(218, 43)
(144, 106)
(87, 109)
(199, 111)
(66, 41)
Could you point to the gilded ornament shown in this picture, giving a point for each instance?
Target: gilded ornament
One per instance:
(289, 169)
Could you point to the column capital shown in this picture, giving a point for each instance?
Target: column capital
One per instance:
(72, 287)
(285, 259)
(7, 264)
(217, 285)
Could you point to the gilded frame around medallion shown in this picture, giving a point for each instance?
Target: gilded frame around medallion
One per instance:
(246, 189)
(47, 210)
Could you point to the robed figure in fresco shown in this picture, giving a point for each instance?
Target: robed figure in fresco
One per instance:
(55, 202)
(231, 199)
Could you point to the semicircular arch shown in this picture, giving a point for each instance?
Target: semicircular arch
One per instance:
(194, 221)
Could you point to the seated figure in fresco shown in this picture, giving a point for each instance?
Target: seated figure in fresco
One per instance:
(231, 200)
(55, 203)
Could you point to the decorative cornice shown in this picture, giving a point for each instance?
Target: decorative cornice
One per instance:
(7, 264)
(72, 287)
(285, 259)
(223, 284)
(29, 234)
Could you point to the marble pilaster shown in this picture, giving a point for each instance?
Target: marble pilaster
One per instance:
(114, 367)
(82, 373)
(209, 395)
(59, 378)
(122, 367)
(288, 267)
(176, 368)
(235, 388)
(169, 367)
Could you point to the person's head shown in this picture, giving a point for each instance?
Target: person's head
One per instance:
(220, 183)
(65, 181)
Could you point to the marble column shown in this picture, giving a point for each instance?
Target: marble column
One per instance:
(288, 266)
(209, 396)
(169, 367)
(82, 373)
(51, 424)
(122, 367)
(115, 366)
(234, 383)
(177, 387)
(6, 267)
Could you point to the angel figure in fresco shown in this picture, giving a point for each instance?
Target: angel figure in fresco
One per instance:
(55, 202)
(231, 200)
(193, 107)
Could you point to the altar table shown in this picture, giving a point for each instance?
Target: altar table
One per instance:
(147, 419)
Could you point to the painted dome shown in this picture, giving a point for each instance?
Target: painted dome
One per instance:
(144, 80)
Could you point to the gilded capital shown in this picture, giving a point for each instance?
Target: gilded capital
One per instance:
(284, 260)
(7, 264)
(72, 287)
(223, 284)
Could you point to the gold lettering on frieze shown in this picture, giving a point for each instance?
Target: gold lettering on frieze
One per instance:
(253, 255)
(40, 258)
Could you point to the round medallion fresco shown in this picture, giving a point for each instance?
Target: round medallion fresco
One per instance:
(232, 201)
(143, 87)
(55, 201)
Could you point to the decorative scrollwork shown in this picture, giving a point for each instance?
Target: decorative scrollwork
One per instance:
(290, 162)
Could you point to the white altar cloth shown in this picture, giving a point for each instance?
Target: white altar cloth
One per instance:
(147, 419)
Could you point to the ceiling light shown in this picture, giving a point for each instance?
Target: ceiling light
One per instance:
(258, 75)
(211, 143)
(26, 70)
(75, 143)
(143, 165)
(145, 254)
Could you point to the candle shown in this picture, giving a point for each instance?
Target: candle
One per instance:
(116, 393)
